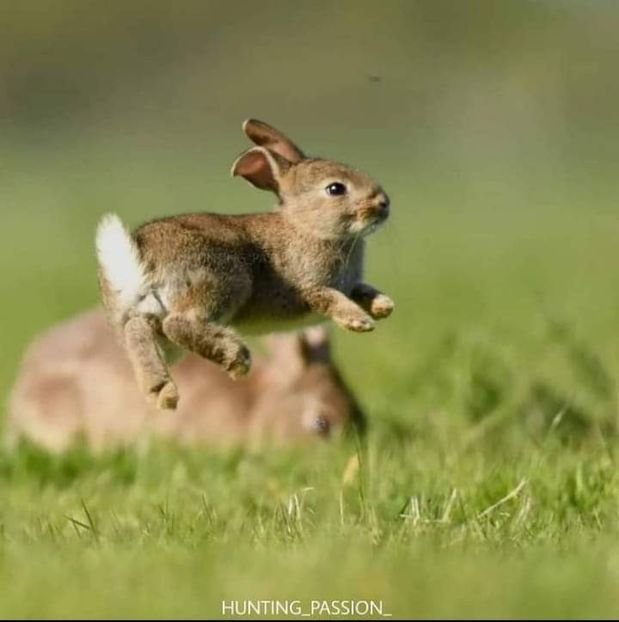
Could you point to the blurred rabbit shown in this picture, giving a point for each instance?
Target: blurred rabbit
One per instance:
(192, 280)
(76, 384)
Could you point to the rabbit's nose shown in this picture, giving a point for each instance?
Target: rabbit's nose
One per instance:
(383, 206)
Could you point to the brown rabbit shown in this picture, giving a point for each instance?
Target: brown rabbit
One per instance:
(76, 383)
(191, 280)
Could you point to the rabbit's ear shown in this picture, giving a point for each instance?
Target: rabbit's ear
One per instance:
(264, 135)
(261, 167)
(315, 345)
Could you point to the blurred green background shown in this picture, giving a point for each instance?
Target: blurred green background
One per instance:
(494, 126)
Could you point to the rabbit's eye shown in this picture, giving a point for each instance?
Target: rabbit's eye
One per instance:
(336, 189)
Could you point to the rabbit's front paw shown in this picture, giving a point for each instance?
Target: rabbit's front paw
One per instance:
(238, 361)
(381, 307)
(356, 323)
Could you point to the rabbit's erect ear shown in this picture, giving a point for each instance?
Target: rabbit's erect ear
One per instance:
(315, 345)
(264, 135)
(261, 167)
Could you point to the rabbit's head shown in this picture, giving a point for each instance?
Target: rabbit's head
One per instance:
(329, 199)
(309, 397)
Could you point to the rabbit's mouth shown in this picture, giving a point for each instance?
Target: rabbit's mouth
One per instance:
(369, 224)
(371, 228)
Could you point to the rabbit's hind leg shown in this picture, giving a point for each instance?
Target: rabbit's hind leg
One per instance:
(148, 363)
(219, 344)
(197, 316)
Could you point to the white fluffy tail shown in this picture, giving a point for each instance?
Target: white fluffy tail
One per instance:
(120, 262)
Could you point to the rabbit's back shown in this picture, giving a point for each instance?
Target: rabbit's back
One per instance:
(246, 270)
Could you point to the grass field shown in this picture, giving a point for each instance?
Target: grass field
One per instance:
(487, 485)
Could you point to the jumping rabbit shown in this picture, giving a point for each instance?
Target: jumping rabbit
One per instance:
(193, 280)
(75, 383)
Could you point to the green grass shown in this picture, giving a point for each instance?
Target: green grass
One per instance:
(487, 485)
(172, 534)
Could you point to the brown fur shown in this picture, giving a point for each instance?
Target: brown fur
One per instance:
(76, 383)
(212, 274)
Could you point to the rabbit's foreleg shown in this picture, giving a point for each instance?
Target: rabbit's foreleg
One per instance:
(377, 304)
(338, 307)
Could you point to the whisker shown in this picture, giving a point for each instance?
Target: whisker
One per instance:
(352, 247)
